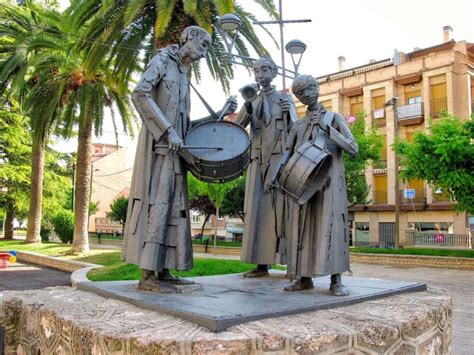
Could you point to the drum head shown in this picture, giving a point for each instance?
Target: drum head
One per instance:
(230, 136)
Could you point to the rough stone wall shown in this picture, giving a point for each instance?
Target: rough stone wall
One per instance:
(63, 320)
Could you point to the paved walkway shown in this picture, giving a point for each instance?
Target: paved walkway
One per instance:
(21, 276)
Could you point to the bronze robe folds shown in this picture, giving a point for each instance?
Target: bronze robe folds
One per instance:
(265, 209)
(318, 243)
(158, 230)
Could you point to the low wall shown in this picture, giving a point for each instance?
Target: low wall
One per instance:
(63, 320)
(51, 261)
(413, 260)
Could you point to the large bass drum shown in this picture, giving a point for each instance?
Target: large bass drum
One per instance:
(306, 172)
(217, 165)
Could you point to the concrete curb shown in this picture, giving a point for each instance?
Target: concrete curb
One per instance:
(81, 275)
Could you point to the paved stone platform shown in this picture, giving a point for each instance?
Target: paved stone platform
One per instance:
(63, 320)
(227, 300)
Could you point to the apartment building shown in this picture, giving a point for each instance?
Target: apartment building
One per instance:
(426, 82)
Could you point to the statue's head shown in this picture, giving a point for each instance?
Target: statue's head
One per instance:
(306, 89)
(195, 42)
(265, 70)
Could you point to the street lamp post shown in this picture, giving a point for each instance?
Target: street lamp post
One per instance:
(229, 26)
(393, 103)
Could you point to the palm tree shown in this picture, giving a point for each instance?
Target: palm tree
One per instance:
(64, 91)
(78, 95)
(19, 27)
(131, 27)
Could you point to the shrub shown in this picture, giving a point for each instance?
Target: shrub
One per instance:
(63, 223)
(45, 231)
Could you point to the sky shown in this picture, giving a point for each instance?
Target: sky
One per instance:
(358, 30)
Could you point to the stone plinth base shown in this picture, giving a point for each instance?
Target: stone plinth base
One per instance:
(224, 301)
(64, 320)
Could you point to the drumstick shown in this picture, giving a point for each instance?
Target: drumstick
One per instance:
(189, 147)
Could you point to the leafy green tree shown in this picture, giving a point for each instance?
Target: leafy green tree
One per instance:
(444, 157)
(15, 154)
(63, 223)
(118, 211)
(370, 144)
(233, 203)
(130, 26)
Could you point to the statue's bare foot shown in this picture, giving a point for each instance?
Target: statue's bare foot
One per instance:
(166, 276)
(337, 288)
(304, 283)
(259, 271)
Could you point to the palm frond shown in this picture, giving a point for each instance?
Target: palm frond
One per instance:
(164, 12)
(224, 6)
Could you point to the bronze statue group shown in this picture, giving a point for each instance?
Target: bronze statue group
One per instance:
(304, 226)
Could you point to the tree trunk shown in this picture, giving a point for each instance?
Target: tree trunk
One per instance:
(80, 242)
(206, 217)
(215, 231)
(9, 218)
(36, 192)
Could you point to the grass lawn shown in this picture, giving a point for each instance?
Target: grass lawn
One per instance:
(115, 269)
(50, 249)
(458, 253)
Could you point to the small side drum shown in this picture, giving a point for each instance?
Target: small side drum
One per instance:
(213, 165)
(306, 172)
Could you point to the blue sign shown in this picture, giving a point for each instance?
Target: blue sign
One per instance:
(409, 193)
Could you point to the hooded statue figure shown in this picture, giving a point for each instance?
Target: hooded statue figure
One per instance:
(158, 230)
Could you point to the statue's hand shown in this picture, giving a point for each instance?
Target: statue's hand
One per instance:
(230, 106)
(315, 117)
(174, 141)
(285, 104)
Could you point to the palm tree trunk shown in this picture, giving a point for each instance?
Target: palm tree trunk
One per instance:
(36, 192)
(80, 242)
(9, 218)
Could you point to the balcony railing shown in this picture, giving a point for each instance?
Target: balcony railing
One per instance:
(437, 106)
(380, 113)
(439, 239)
(410, 111)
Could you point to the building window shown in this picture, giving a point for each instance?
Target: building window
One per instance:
(414, 100)
(357, 105)
(380, 189)
(362, 234)
(195, 217)
(439, 99)
(432, 227)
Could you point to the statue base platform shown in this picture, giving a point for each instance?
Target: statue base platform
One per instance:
(227, 300)
(64, 320)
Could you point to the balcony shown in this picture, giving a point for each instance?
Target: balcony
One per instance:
(437, 106)
(410, 114)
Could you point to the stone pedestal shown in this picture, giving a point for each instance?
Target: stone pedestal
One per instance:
(64, 320)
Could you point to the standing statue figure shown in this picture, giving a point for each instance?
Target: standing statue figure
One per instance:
(270, 116)
(158, 229)
(319, 241)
